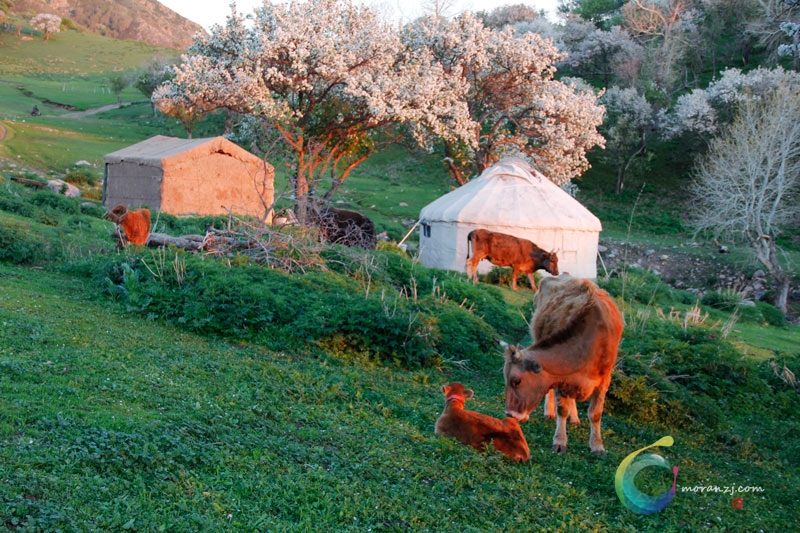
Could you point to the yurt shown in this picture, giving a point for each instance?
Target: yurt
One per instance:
(513, 198)
(208, 176)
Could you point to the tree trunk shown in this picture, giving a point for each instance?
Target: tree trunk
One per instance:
(767, 254)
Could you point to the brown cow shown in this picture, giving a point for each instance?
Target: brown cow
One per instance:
(577, 328)
(476, 429)
(135, 224)
(506, 250)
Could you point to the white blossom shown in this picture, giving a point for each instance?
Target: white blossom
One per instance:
(47, 23)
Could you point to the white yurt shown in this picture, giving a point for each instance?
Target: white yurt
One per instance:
(513, 198)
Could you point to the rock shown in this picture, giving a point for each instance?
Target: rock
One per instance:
(83, 163)
(648, 253)
(403, 204)
(62, 187)
(759, 274)
(602, 249)
(663, 258)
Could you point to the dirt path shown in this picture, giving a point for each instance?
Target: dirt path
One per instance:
(2, 132)
(94, 111)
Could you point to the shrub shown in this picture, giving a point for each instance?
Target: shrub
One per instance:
(20, 246)
(772, 315)
(323, 309)
(726, 300)
(56, 202)
(81, 176)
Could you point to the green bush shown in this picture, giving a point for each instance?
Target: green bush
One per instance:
(323, 309)
(81, 176)
(772, 315)
(724, 300)
(19, 245)
(56, 202)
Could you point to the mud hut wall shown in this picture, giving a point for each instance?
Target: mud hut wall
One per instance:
(133, 184)
(214, 183)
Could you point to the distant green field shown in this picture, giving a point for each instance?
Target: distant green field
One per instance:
(73, 55)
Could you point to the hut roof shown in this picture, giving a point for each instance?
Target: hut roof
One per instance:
(159, 148)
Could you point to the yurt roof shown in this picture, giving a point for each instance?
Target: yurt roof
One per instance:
(159, 148)
(514, 195)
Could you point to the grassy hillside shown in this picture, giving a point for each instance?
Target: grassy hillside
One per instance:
(155, 390)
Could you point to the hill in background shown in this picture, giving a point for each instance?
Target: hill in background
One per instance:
(139, 20)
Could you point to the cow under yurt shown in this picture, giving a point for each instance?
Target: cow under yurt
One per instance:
(209, 176)
(510, 197)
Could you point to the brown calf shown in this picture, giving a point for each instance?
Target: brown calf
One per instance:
(476, 429)
(135, 224)
(506, 250)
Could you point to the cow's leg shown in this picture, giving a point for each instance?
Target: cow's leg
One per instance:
(573, 412)
(560, 437)
(533, 281)
(595, 413)
(472, 268)
(514, 274)
(550, 404)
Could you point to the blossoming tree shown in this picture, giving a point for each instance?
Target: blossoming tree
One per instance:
(47, 23)
(330, 76)
(513, 97)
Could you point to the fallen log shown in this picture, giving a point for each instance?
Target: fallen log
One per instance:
(186, 242)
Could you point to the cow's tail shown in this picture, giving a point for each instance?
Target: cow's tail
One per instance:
(469, 242)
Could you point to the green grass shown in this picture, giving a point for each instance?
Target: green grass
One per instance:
(115, 416)
(120, 410)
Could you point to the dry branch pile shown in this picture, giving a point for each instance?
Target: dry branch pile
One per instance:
(289, 248)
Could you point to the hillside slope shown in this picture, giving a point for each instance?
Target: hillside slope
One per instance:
(139, 20)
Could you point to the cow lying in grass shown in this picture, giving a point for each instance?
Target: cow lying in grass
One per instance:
(135, 224)
(476, 429)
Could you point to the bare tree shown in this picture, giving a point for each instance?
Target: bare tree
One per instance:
(779, 29)
(747, 186)
(438, 8)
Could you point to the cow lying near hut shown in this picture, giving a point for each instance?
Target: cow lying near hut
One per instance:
(135, 224)
(342, 226)
(506, 250)
(577, 328)
(476, 429)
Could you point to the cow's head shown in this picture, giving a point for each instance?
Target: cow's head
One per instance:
(525, 383)
(457, 391)
(550, 263)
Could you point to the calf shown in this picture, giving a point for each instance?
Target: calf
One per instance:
(506, 250)
(135, 224)
(476, 429)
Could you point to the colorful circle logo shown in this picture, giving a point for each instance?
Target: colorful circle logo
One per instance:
(630, 496)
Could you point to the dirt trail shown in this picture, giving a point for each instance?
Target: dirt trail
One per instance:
(94, 110)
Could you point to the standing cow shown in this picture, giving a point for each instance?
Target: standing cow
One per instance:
(506, 250)
(577, 328)
(134, 223)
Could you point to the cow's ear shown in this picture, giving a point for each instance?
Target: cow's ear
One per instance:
(532, 365)
(515, 353)
(468, 393)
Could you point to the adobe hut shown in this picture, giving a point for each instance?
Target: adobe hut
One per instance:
(189, 177)
(510, 197)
